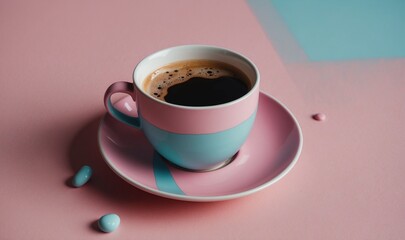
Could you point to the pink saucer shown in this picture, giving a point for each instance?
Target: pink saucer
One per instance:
(272, 149)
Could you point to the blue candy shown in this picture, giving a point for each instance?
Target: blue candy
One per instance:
(109, 222)
(82, 176)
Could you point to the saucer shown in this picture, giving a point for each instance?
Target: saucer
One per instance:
(270, 152)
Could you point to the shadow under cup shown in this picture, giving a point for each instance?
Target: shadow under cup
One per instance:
(194, 138)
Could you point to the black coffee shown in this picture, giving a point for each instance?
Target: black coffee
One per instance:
(199, 91)
(197, 83)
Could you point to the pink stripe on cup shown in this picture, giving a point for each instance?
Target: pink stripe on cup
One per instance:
(197, 120)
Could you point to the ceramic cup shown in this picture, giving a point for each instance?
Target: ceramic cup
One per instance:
(195, 138)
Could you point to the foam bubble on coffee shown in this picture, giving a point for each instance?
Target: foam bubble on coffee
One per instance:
(158, 82)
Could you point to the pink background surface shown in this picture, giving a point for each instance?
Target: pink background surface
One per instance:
(58, 57)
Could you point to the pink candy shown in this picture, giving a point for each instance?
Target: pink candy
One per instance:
(319, 117)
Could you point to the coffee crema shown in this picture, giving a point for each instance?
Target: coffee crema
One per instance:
(197, 83)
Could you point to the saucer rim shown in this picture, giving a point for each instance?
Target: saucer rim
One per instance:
(208, 198)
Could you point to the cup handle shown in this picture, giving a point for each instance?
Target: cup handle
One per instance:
(121, 87)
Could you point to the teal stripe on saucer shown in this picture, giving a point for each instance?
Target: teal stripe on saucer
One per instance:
(164, 179)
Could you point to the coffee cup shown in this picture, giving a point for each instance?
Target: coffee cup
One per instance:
(196, 104)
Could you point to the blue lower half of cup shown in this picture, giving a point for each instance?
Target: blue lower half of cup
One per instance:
(198, 152)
